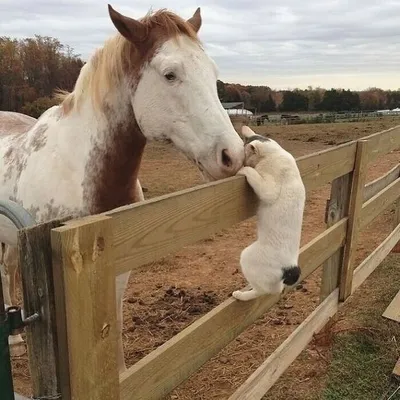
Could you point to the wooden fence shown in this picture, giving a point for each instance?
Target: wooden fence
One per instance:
(75, 263)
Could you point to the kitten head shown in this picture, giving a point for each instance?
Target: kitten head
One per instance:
(256, 147)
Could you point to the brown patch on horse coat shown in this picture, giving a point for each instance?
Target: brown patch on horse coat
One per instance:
(112, 183)
(38, 137)
(113, 167)
(16, 157)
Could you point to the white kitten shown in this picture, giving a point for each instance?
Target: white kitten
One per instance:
(272, 260)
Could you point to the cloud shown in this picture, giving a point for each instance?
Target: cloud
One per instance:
(332, 43)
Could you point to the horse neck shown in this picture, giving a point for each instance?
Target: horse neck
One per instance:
(114, 150)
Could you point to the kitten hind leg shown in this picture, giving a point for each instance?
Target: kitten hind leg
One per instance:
(247, 295)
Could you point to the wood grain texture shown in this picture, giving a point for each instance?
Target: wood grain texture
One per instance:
(369, 265)
(158, 227)
(383, 142)
(276, 364)
(147, 231)
(396, 370)
(380, 202)
(165, 368)
(86, 309)
(393, 309)
(338, 205)
(35, 261)
(374, 187)
(354, 220)
(144, 232)
(396, 221)
(324, 166)
(154, 228)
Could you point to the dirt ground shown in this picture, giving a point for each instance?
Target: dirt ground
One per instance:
(166, 296)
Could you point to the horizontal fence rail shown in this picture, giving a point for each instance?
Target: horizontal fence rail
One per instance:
(374, 187)
(147, 231)
(159, 372)
(144, 232)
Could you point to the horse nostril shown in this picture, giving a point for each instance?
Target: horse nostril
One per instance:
(226, 159)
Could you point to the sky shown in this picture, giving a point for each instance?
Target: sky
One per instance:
(353, 44)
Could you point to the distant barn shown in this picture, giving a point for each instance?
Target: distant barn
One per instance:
(236, 108)
(237, 114)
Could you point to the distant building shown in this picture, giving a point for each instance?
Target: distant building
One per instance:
(236, 108)
(395, 111)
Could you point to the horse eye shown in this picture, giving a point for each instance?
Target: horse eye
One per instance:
(170, 76)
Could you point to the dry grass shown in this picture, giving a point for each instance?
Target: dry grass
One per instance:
(366, 346)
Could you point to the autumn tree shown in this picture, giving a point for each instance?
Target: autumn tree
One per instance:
(294, 101)
(31, 69)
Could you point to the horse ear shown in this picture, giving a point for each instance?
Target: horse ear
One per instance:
(195, 20)
(131, 29)
(247, 132)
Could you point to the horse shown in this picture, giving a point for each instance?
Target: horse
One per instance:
(151, 80)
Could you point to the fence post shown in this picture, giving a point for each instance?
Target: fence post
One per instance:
(396, 221)
(35, 262)
(337, 208)
(84, 283)
(353, 225)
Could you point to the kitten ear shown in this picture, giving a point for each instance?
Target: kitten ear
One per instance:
(253, 148)
(247, 132)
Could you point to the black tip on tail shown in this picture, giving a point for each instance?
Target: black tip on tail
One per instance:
(291, 275)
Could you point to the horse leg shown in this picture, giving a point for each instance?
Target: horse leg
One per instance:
(121, 284)
(9, 265)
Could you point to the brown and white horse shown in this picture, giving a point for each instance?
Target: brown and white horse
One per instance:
(152, 80)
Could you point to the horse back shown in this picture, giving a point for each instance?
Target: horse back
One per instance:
(13, 123)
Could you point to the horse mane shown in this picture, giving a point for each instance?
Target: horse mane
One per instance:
(108, 65)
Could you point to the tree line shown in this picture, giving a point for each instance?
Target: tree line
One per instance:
(264, 99)
(31, 69)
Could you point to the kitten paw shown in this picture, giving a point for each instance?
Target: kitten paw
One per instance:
(237, 294)
(245, 296)
(243, 171)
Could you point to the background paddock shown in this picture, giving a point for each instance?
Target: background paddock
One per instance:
(166, 296)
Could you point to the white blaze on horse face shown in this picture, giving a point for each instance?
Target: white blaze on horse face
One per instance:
(176, 98)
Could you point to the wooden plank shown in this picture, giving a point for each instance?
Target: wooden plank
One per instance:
(368, 266)
(155, 228)
(158, 373)
(151, 229)
(374, 187)
(337, 208)
(84, 281)
(396, 221)
(393, 309)
(276, 364)
(353, 225)
(396, 370)
(324, 166)
(380, 202)
(35, 261)
(19, 397)
(383, 142)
